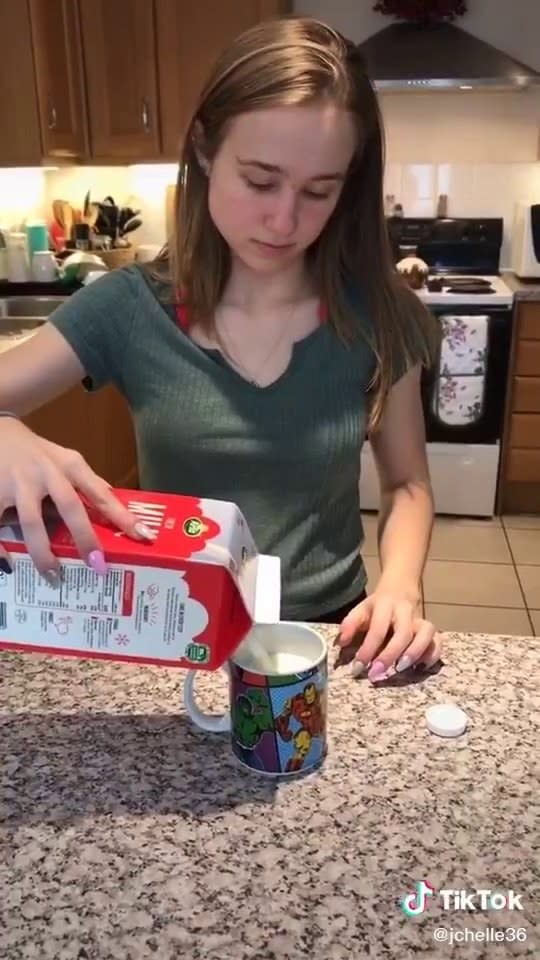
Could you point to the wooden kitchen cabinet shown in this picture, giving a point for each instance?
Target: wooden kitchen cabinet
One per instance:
(519, 486)
(185, 56)
(98, 425)
(59, 77)
(118, 38)
(20, 140)
(109, 80)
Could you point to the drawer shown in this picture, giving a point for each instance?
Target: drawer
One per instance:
(526, 397)
(529, 321)
(528, 358)
(523, 466)
(525, 430)
(520, 498)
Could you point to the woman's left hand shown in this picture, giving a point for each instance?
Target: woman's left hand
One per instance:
(394, 634)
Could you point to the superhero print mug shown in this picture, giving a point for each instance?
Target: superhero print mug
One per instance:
(277, 715)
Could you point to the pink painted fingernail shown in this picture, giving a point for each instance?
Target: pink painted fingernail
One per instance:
(96, 560)
(145, 532)
(377, 671)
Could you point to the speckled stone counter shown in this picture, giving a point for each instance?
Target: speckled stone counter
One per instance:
(523, 289)
(129, 834)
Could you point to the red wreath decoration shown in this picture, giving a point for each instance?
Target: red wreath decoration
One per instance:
(422, 11)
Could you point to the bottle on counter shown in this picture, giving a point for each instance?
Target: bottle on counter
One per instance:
(37, 238)
(3, 256)
(18, 266)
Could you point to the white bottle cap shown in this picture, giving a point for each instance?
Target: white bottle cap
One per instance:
(446, 720)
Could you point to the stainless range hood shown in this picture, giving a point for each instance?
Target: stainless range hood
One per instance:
(405, 56)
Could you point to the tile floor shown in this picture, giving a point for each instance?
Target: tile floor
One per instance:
(482, 576)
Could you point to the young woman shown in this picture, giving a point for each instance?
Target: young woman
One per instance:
(259, 351)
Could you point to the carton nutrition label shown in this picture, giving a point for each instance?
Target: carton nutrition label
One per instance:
(81, 590)
(133, 611)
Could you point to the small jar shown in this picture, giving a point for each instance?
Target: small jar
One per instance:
(81, 234)
(18, 267)
(44, 267)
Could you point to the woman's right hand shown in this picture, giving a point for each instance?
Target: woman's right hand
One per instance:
(32, 469)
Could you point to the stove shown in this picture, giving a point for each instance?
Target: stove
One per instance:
(461, 290)
(463, 395)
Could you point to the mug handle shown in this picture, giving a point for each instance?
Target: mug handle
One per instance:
(212, 723)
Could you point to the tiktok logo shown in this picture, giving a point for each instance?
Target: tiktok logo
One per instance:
(413, 904)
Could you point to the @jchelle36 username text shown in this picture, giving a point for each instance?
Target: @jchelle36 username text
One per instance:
(455, 935)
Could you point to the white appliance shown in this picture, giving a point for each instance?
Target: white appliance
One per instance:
(463, 457)
(525, 260)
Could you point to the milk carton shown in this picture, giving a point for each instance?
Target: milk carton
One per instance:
(186, 600)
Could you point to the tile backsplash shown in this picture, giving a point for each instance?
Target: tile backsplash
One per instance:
(483, 189)
(473, 190)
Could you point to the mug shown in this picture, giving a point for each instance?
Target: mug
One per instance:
(277, 715)
(44, 267)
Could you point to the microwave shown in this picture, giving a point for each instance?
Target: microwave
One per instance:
(525, 261)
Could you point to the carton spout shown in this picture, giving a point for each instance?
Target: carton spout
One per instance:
(267, 589)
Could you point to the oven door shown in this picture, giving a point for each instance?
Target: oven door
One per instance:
(464, 393)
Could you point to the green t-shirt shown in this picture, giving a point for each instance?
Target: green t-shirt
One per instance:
(287, 454)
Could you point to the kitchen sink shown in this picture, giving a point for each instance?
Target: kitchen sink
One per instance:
(37, 308)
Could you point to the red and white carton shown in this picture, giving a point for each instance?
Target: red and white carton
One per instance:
(185, 600)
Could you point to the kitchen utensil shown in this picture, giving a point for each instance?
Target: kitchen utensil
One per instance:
(108, 220)
(57, 236)
(63, 214)
(57, 211)
(124, 215)
(90, 211)
(131, 225)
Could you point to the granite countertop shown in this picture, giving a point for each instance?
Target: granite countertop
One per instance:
(523, 289)
(129, 834)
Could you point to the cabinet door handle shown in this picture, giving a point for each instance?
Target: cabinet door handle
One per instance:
(145, 115)
(52, 117)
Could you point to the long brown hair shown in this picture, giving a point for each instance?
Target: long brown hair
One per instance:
(295, 60)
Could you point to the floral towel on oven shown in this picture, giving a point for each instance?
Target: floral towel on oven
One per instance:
(459, 400)
(464, 345)
(459, 395)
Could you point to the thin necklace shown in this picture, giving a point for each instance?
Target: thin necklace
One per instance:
(253, 379)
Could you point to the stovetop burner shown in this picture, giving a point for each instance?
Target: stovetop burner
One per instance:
(455, 285)
(460, 289)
